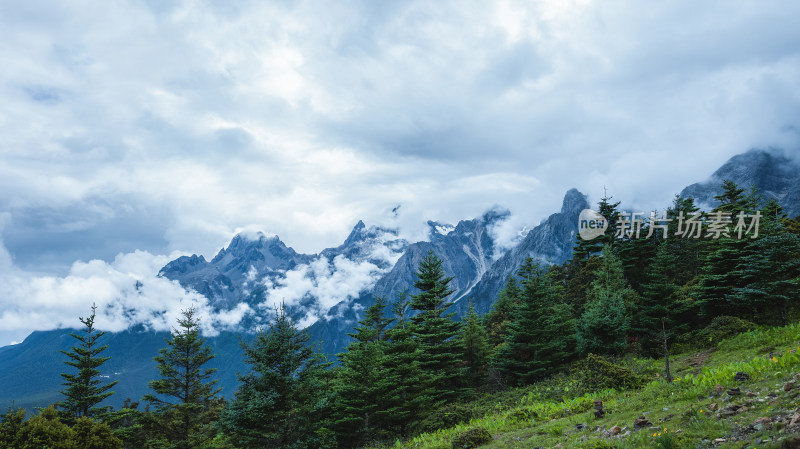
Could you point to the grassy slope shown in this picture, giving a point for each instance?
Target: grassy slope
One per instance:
(682, 413)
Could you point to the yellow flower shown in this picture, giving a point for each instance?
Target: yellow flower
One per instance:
(701, 411)
(774, 359)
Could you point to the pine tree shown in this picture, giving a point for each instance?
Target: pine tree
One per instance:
(688, 251)
(574, 279)
(405, 391)
(280, 402)
(754, 200)
(603, 327)
(436, 331)
(719, 276)
(733, 200)
(774, 220)
(634, 254)
(134, 427)
(769, 274)
(584, 249)
(84, 390)
(359, 380)
(475, 343)
(497, 319)
(185, 391)
(656, 310)
(540, 332)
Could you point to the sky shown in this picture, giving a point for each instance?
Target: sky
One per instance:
(132, 132)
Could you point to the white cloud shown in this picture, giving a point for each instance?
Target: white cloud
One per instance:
(137, 125)
(331, 281)
(126, 291)
(507, 233)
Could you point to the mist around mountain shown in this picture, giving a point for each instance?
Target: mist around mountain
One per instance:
(328, 292)
(772, 171)
(261, 272)
(325, 292)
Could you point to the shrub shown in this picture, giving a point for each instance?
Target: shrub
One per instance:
(471, 438)
(597, 373)
(449, 416)
(523, 415)
(723, 327)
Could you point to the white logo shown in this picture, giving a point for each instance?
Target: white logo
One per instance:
(591, 224)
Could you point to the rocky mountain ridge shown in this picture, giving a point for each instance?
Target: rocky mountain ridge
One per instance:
(371, 261)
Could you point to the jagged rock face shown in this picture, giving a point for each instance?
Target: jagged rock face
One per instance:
(228, 278)
(246, 269)
(242, 271)
(468, 254)
(771, 171)
(363, 242)
(250, 266)
(550, 242)
(466, 250)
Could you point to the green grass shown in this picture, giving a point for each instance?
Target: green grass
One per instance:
(680, 412)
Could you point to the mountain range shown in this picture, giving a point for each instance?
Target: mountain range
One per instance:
(775, 174)
(327, 292)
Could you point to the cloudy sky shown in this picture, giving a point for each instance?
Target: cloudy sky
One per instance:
(135, 131)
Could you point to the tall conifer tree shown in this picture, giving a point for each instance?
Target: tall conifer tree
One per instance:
(603, 327)
(85, 389)
(475, 344)
(497, 319)
(541, 330)
(405, 390)
(434, 330)
(586, 248)
(719, 275)
(656, 309)
(280, 402)
(184, 394)
(359, 388)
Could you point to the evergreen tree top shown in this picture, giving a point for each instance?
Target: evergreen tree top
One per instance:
(181, 365)
(732, 199)
(433, 285)
(372, 328)
(84, 389)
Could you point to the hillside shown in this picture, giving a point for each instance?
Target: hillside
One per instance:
(251, 265)
(709, 405)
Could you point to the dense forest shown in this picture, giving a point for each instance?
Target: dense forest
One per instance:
(649, 288)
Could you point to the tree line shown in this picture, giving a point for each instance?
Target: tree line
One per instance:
(409, 359)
